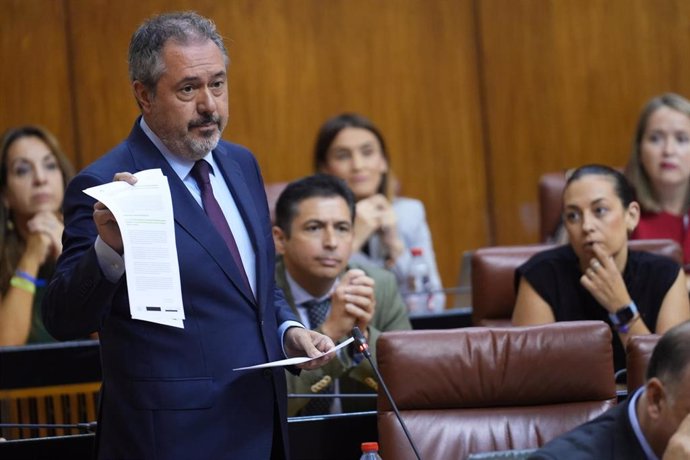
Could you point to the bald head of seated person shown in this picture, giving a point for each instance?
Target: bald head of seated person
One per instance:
(654, 422)
(313, 236)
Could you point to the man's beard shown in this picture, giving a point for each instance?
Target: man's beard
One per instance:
(199, 147)
(195, 147)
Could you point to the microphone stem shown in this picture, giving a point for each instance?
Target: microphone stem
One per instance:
(395, 409)
(363, 347)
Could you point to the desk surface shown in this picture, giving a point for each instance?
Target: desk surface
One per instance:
(50, 364)
(330, 436)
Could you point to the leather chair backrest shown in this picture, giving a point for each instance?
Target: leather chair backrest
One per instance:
(551, 186)
(662, 247)
(493, 276)
(273, 191)
(468, 390)
(638, 352)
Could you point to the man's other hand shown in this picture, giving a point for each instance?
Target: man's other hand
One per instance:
(303, 342)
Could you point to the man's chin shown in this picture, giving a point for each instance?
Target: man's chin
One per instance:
(200, 146)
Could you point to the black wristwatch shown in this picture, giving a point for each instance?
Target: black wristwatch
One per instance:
(623, 317)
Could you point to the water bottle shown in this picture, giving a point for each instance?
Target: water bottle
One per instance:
(370, 451)
(419, 298)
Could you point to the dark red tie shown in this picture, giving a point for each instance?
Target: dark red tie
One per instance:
(200, 173)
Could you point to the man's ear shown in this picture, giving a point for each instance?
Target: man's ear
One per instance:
(279, 239)
(143, 95)
(655, 393)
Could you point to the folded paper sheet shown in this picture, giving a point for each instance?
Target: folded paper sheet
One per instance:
(298, 360)
(144, 214)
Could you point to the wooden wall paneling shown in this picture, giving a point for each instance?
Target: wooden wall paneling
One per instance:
(105, 108)
(34, 73)
(564, 81)
(409, 65)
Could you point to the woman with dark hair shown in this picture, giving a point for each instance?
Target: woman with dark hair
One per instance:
(33, 175)
(659, 170)
(595, 276)
(387, 227)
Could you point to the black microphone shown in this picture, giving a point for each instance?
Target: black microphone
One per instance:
(363, 347)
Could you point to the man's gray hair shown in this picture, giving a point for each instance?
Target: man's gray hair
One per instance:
(146, 46)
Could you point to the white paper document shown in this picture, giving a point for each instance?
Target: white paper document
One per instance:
(144, 214)
(298, 360)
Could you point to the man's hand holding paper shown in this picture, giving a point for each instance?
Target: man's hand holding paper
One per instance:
(105, 221)
(134, 216)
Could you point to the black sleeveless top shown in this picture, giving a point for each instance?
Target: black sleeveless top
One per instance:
(555, 276)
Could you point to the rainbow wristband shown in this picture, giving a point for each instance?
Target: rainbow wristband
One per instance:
(23, 284)
(35, 281)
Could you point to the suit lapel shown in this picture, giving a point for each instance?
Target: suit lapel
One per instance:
(243, 198)
(282, 283)
(188, 214)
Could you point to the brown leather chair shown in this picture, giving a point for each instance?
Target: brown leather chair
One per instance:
(493, 288)
(273, 191)
(638, 352)
(550, 188)
(493, 273)
(662, 247)
(468, 390)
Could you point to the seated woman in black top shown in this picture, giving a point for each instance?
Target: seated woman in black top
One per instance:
(595, 277)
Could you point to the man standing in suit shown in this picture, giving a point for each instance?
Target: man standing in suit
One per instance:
(171, 393)
(313, 234)
(654, 423)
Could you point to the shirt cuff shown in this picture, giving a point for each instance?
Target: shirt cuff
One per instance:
(281, 332)
(112, 264)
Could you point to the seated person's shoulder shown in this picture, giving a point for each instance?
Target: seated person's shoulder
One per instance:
(553, 256)
(659, 271)
(378, 274)
(408, 207)
(593, 440)
(653, 262)
(544, 267)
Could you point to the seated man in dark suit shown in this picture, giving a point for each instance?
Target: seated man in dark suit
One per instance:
(313, 235)
(654, 423)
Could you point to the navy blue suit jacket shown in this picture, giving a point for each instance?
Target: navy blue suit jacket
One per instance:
(171, 393)
(608, 437)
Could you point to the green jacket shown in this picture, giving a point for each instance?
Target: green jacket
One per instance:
(390, 315)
